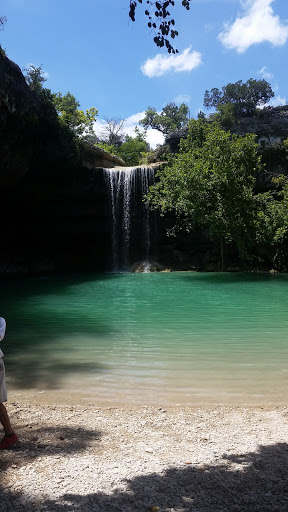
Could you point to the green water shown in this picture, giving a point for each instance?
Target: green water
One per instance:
(171, 337)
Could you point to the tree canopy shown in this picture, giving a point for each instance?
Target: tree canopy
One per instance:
(210, 184)
(67, 106)
(35, 77)
(170, 119)
(77, 120)
(133, 149)
(243, 98)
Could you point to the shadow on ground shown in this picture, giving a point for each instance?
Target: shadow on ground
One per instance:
(46, 441)
(253, 482)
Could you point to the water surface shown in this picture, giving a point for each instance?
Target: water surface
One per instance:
(159, 337)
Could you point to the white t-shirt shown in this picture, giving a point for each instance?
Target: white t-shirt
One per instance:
(2, 331)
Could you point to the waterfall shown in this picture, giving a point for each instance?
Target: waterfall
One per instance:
(133, 224)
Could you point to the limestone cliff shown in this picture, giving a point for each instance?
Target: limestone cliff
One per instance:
(53, 204)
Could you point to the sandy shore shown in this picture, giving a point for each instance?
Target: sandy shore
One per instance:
(83, 457)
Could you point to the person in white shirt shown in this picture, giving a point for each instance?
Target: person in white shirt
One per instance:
(10, 436)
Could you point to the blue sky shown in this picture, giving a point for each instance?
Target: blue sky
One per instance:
(91, 49)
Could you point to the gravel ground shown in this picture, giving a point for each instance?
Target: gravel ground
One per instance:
(145, 458)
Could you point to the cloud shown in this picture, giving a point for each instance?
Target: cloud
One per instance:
(277, 101)
(265, 74)
(258, 24)
(182, 98)
(154, 137)
(161, 64)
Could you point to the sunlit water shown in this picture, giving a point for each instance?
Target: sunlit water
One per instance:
(146, 338)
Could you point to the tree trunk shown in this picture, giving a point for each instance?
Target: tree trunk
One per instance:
(222, 248)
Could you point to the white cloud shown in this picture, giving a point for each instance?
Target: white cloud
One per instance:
(265, 73)
(258, 24)
(131, 122)
(182, 98)
(277, 101)
(161, 64)
(154, 137)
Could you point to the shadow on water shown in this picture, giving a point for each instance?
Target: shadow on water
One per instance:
(249, 482)
(32, 331)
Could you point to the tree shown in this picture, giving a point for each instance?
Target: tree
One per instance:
(170, 119)
(243, 97)
(160, 20)
(112, 133)
(209, 184)
(131, 151)
(35, 77)
(272, 220)
(78, 121)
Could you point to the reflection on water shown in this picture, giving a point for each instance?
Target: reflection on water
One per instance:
(185, 337)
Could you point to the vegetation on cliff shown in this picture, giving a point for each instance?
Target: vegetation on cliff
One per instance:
(210, 185)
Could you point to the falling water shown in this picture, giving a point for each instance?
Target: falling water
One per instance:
(133, 224)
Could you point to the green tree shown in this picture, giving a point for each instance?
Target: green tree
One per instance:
(77, 120)
(170, 119)
(272, 221)
(209, 184)
(131, 151)
(35, 77)
(243, 97)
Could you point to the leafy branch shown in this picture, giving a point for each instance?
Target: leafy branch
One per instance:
(160, 20)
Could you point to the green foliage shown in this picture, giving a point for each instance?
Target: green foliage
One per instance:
(133, 149)
(210, 183)
(35, 77)
(272, 214)
(226, 115)
(170, 119)
(160, 20)
(243, 98)
(77, 120)
(107, 147)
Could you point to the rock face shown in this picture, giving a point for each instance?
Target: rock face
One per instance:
(19, 122)
(97, 157)
(54, 206)
(270, 126)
